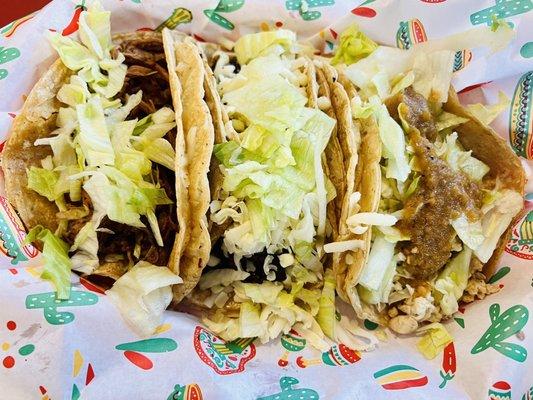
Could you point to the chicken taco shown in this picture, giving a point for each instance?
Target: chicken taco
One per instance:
(94, 167)
(441, 191)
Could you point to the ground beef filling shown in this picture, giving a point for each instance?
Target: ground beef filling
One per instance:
(442, 195)
(147, 72)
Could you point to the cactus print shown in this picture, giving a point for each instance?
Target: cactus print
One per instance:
(224, 6)
(288, 392)
(502, 327)
(49, 304)
(502, 9)
(7, 55)
(296, 5)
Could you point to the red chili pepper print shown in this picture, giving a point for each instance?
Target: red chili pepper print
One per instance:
(73, 24)
(449, 364)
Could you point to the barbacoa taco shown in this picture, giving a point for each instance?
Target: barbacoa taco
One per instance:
(270, 211)
(438, 190)
(94, 167)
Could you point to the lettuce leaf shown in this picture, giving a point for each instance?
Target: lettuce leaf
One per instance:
(460, 160)
(223, 277)
(74, 93)
(57, 264)
(95, 30)
(259, 44)
(447, 120)
(44, 182)
(93, 136)
(497, 219)
(393, 142)
(470, 233)
(142, 294)
(354, 45)
(380, 261)
(326, 311)
(436, 337)
(113, 200)
(488, 113)
(452, 282)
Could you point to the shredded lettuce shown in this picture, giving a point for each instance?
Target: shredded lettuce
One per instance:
(95, 148)
(44, 182)
(436, 337)
(326, 311)
(470, 233)
(497, 219)
(452, 281)
(259, 44)
(339, 328)
(74, 93)
(57, 264)
(354, 45)
(460, 160)
(95, 30)
(268, 311)
(378, 268)
(447, 120)
(93, 136)
(273, 175)
(142, 294)
(111, 199)
(393, 142)
(431, 61)
(223, 277)
(488, 113)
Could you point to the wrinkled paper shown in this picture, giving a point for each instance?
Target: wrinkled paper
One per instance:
(82, 349)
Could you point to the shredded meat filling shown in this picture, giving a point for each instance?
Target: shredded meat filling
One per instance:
(147, 72)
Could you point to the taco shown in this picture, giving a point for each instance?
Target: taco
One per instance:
(270, 194)
(94, 167)
(439, 190)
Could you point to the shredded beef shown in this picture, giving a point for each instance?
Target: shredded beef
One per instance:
(74, 226)
(147, 72)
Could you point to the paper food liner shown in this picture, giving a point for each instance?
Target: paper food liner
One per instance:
(81, 348)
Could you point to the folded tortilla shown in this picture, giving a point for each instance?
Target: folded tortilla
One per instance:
(433, 268)
(191, 79)
(146, 63)
(200, 293)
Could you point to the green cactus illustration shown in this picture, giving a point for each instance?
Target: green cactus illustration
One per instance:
(177, 393)
(502, 327)
(502, 9)
(288, 392)
(224, 6)
(48, 302)
(528, 395)
(298, 5)
(6, 236)
(7, 55)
